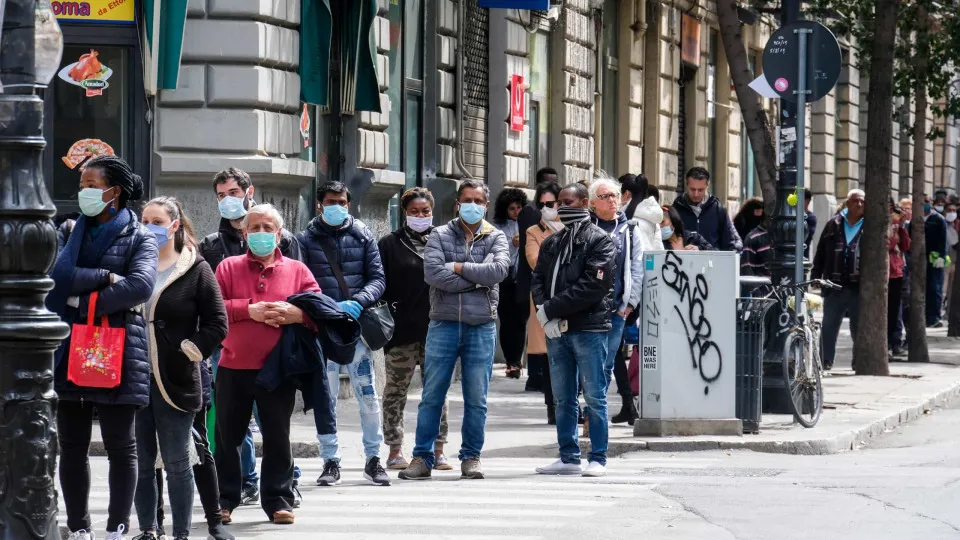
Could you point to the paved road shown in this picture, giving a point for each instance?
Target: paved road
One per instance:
(904, 485)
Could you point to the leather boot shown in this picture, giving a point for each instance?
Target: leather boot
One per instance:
(628, 412)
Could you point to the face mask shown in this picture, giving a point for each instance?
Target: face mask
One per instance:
(471, 213)
(232, 207)
(926, 208)
(335, 214)
(666, 232)
(938, 208)
(951, 216)
(262, 243)
(91, 201)
(419, 224)
(159, 232)
(548, 214)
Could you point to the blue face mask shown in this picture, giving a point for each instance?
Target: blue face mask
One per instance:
(232, 207)
(262, 243)
(335, 214)
(472, 213)
(926, 208)
(160, 233)
(666, 232)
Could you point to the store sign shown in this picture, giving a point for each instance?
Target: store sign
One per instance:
(305, 126)
(533, 5)
(517, 103)
(95, 11)
(88, 73)
(690, 40)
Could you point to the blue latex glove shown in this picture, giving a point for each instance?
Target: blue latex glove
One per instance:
(351, 308)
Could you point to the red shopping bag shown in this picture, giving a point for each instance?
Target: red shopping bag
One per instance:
(633, 371)
(96, 352)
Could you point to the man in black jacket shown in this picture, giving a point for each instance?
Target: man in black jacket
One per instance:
(234, 190)
(704, 215)
(572, 288)
(935, 234)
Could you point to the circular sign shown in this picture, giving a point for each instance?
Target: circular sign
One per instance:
(781, 60)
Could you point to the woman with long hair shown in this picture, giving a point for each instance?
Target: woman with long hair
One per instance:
(512, 327)
(187, 322)
(634, 189)
(675, 238)
(750, 216)
(107, 252)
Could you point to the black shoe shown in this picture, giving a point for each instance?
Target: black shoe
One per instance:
(375, 473)
(250, 495)
(580, 417)
(218, 532)
(146, 536)
(627, 414)
(534, 384)
(330, 475)
(551, 415)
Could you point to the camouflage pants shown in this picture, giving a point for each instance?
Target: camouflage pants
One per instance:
(401, 363)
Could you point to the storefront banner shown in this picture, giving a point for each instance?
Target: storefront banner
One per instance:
(517, 102)
(96, 11)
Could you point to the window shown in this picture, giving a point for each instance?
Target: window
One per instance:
(608, 88)
(747, 166)
(405, 90)
(712, 161)
(539, 92)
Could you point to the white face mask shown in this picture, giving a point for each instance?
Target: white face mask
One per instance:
(548, 214)
(951, 217)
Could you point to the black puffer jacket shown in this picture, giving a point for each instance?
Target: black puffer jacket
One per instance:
(229, 242)
(133, 255)
(584, 290)
(187, 323)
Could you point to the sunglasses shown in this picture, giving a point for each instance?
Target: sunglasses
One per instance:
(548, 204)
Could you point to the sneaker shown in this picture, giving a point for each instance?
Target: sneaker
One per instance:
(441, 463)
(82, 534)
(225, 516)
(470, 469)
(330, 475)
(116, 535)
(560, 468)
(595, 469)
(250, 495)
(418, 470)
(283, 517)
(375, 473)
(398, 463)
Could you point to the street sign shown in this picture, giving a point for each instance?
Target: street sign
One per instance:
(781, 60)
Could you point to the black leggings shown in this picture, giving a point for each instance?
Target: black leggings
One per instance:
(513, 324)
(75, 424)
(204, 475)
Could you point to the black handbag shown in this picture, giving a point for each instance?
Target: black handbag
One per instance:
(376, 321)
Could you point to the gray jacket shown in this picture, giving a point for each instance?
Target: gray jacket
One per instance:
(470, 297)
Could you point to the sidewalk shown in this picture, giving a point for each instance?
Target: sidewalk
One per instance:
(856, 409)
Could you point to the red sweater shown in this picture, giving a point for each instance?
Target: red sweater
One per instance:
(244, 281)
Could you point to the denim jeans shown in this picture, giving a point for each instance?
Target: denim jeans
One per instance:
(836, 304)
(172, 428)
(365, 390)
(614, 339)
(474, 345)
(934, 294)
(569, 354)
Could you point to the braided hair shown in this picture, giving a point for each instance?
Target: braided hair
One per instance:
(118, 172)
(174, 209)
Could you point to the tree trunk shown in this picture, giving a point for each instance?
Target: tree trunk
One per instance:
(917, 326)
(953, 317)
(870, 343)
(754, 116)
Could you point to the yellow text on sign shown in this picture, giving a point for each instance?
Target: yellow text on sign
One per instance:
(111, 11)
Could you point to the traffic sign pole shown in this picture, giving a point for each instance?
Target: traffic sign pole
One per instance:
(801, 159)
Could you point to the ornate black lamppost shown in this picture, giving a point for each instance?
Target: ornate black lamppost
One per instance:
(29, 334)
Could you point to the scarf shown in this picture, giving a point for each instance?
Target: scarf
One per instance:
(417, 240)
(69, 257)
(573, 220)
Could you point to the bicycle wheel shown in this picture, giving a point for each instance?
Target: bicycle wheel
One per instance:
(801, 377)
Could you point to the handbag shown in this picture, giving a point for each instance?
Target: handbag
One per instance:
(376, 321)
(96, 352)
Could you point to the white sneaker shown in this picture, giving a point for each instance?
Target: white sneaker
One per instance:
(82, 534)
(595, 469)
(559, 467)
(118, 535)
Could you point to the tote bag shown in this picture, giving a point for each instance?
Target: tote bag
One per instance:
(96, 352)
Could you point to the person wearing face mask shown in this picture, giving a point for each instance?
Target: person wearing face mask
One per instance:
(512, 317)
(953, 242)
(109, 253)
(409, 298)
(256, 287)
(234, 190)
(546, 199)
(935, 233)
(464, 261)
(187, 322)
(342, 254)
(674, 237)
(573, 291)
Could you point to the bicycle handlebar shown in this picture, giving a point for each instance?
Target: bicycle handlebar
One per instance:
(823, 283)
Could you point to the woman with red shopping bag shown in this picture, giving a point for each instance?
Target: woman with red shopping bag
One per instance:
(105, 270)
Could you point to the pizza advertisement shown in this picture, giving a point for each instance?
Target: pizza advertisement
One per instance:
(85, 149)
(88, 73)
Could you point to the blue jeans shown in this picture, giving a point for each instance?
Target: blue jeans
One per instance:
(583, 352)
(934, 294)
(364, 388)
(474, 345)
(614, 339)
(160, 423)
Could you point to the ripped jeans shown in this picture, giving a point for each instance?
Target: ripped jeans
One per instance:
(364, 388)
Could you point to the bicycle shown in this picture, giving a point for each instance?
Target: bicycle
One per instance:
(795, 338)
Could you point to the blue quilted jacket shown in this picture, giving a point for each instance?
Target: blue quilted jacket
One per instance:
(133, 255)
(355, 248)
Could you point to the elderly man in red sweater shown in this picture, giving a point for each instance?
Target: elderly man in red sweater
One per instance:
(255, 288)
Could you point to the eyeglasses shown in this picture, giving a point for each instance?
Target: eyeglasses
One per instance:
(548, 204)
(607, 196)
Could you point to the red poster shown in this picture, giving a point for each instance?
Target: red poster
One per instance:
(517, 108)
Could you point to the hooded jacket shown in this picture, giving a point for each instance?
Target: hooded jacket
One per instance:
(186, 323)
(471, 296)
(648, 215)
(355, 249)
(713, 223)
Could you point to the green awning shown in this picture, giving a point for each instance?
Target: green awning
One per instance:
(168, 17)
(359, 88)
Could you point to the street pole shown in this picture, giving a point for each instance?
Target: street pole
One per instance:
(801, 146)
(787, 261)
(29, 334)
